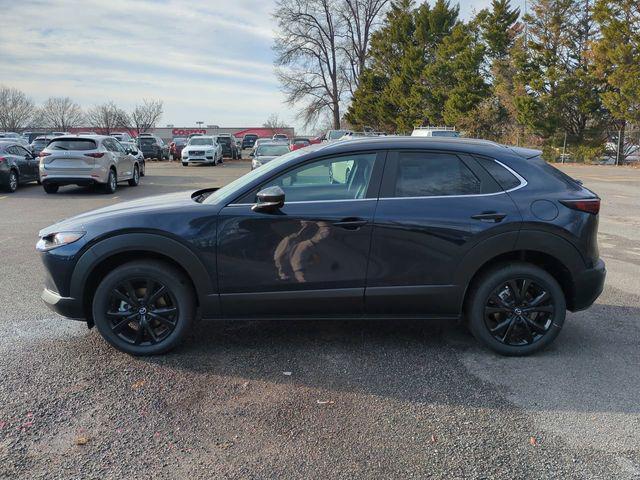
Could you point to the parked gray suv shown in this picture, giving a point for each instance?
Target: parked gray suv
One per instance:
(87, 160)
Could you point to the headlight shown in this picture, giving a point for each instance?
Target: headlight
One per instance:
(56, 240)
(256, 163)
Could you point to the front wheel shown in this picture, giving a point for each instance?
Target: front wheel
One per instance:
(144, 307)
(516, 309)
(185, 164)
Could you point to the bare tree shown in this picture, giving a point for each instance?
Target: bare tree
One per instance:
(308, 56)
(146, 115)
(108, 117)
(359, 17)
(274, 123)
(60, 113)
(16, 109)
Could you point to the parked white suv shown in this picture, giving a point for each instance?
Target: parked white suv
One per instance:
(87, 160)
(202, 149)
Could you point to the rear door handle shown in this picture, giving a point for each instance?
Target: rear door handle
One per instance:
(351, 223)
(494, 217)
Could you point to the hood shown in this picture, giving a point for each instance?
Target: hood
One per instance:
(143, 205)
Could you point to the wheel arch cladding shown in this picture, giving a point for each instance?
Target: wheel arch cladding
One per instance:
(112, 252)
(555, 254)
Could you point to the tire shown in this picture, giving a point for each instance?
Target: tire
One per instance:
(185, 164)
(12, 181)
(112, 182)
(142, 169)
(135, 181)
(516, 309)
(51, 187)
(176, 306)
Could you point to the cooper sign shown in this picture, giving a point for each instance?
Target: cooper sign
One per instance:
(187, 131)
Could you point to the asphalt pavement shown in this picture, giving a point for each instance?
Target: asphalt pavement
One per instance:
(311, 399)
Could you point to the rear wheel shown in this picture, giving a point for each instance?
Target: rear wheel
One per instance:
(112, 182)
(11, 185)
(135, 181)
(51, 187)
(144, 307)
(516, 309)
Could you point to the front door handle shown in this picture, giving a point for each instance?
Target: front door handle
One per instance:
(351, 223)
(494, 217)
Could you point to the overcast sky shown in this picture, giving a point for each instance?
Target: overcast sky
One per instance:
(208, 60)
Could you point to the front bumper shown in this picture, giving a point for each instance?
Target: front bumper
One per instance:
(588, 286)
(65, 306)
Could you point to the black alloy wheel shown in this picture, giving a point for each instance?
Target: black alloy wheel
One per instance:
(144, 307)
(142, 311)
(516, 309)
(519, 312)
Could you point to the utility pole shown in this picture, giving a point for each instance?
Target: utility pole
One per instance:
(564, 147)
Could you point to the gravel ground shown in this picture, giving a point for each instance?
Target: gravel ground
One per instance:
(295, 399)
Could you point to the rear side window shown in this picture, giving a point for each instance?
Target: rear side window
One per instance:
(425, 174)
(72, 144)
(504, 177)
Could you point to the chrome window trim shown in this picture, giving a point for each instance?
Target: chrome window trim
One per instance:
(523, 183)
(311, 201)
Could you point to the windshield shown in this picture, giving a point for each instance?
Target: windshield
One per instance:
(335, 134)
(444, 133)
(272, 150)
(224, 140)
(180, 141)
(247, 178)
(201, 141)
(147, 141)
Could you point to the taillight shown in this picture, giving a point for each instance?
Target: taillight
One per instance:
(589, 205)
(95, 155)
(2, 159)
(43, 154)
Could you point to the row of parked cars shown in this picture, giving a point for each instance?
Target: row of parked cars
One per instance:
(82, 159)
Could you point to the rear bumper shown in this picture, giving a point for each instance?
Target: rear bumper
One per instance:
(588, 286)
(75, 180)
(65, 306)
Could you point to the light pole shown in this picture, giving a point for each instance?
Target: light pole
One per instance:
(199, 124)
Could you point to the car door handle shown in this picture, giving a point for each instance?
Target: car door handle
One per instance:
(494, 217)
(351, 223)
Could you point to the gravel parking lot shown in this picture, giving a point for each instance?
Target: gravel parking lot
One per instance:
(296, 399)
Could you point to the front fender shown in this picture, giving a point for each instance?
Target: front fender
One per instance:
(206, 288)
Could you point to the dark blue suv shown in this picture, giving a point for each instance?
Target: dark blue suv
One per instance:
(385, 227)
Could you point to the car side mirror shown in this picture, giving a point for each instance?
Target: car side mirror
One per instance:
(269, 199)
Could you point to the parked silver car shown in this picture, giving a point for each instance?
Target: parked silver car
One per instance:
(202, 149)
(87, 160)
(265, 152)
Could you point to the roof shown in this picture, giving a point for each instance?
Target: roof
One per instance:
(464, 145)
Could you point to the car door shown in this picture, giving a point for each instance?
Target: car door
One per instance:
(20, 160)
(434, 208)
(310, 256)
(32, 162)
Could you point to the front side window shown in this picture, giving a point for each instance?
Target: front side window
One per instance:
(340, 178)
(425, 174)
